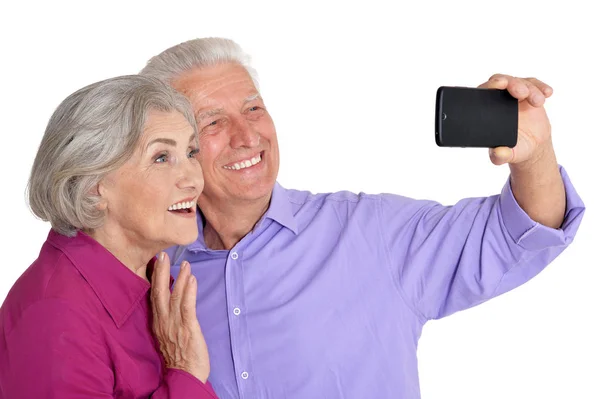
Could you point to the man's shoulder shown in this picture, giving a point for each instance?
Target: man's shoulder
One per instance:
(301, 197)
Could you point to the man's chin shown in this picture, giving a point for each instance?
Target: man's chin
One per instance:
(251, 193)
(236, 193)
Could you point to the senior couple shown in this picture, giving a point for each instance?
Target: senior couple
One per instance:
(161, 191)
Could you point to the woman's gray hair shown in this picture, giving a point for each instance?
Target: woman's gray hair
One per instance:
(197, 53)
(93, 132)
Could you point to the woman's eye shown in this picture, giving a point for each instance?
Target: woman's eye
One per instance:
(193, 153)
(161, 158)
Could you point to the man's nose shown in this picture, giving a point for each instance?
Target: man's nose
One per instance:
(244, 135)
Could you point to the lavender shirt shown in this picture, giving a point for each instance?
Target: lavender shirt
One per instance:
(327, 296)
(77, 324)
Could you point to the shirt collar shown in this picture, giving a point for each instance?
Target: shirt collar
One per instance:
(117, 287)
(280, 209)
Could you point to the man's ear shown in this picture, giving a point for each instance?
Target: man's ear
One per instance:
(98, 192)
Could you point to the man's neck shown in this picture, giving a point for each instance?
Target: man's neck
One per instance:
(226, 223)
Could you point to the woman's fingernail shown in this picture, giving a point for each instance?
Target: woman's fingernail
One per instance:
(162, 256)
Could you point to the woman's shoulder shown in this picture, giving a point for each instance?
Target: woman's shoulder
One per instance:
(51, 284)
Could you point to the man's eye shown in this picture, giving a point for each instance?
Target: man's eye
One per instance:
(255, 108)
(213, 123)
(213, 127)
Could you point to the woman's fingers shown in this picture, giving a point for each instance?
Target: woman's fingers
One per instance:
(179, 290)
(160, 287)
(188, 304)
(176, 325)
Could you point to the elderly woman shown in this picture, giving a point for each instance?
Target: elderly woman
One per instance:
(94, 316)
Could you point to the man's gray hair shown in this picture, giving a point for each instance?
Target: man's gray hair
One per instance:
(197, 53)
(93, 132)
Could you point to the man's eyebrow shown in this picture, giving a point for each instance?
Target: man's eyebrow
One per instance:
(209, 113)
(216, 111)
(252, 98)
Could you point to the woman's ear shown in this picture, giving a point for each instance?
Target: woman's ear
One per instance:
(98, 192)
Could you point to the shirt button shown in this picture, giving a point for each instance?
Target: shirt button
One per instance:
(234, 255)
(236, 311)
(245, 375)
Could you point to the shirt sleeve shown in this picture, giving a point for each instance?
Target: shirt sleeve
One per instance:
(56, 352)
(180, 384)
(450, 258)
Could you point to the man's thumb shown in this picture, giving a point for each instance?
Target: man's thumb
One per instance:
(501, 155)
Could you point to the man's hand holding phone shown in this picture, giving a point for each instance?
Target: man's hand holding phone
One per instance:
(534, 129)
(507, 115)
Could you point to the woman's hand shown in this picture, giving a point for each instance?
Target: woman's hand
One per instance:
(175, 323)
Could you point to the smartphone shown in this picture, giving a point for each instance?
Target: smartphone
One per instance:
(475, 117)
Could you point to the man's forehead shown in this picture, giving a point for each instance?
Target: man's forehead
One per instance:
(201, 96)
(204, 80)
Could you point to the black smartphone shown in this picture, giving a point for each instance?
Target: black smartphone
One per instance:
(475, 117)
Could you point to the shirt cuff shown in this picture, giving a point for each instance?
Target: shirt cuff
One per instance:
(532, 235)
(185, 385)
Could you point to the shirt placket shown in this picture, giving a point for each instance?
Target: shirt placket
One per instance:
(238, 327)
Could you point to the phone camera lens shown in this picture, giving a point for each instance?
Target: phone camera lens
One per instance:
(443, 116)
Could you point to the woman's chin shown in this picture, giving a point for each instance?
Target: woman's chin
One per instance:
(187, 239)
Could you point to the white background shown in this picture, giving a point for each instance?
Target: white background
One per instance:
(351, 87)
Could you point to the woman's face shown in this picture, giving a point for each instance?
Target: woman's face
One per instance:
(150, 201)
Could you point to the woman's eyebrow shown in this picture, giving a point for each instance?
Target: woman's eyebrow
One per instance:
(170, 142)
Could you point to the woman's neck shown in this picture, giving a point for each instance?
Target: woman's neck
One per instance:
(128, 251)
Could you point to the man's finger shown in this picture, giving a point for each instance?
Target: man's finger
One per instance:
(536, 97)
(519, 89)
(497, 81)
(543, 87)
(499, 77)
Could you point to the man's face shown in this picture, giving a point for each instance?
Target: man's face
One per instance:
(239, 153)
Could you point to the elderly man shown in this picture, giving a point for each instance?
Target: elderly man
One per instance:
(307, 295)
